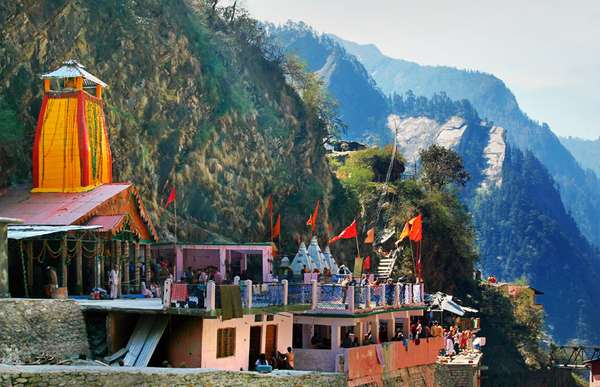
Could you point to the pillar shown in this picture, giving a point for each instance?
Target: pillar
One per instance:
(335, 337)
(397, 295)
(64, 268)
(249, 294)
(360, 332)
(148, 264)
(350, 298)
(29, 252)
(138, 262)
(99, 264)
(285, 285)
(368, 297)
(211, 291)
(315, 294)
(391, 328)
(178, 263)
(125, 266)
(4, 286)
(78, 267)
(117, 261)
(222, 257)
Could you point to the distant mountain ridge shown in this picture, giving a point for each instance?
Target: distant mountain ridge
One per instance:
(580, 191)
(587, 152)
(486, 148)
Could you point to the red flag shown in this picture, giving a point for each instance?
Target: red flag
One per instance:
(349, 232)
(416, 231)
(277, 228)
(172, 197)
(270, 207)
(312, 221)
(367, 264)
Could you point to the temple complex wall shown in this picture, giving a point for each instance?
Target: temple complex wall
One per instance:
(37, 327)
(112, 376)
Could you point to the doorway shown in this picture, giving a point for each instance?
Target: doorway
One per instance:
(271, 342)
(255, 339)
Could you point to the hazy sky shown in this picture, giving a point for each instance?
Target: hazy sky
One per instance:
(546, 51)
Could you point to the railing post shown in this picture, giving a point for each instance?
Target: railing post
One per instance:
(285, 285)
(350, 298)
(397, 295)
(236, 280)
(315, 294)
(249, 294)
(368, 300)
(166, 294)
(383, 295)
(211, 292)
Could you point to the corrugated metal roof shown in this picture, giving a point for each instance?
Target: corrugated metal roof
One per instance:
(23, 232)
(112, 223)
(72, 69)
(56, 208)
(144, 339)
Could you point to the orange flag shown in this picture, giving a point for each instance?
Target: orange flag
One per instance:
(405, 231)
(370, 236)
(277, 228)
(349, 232)
(416, 231)
(312, 221)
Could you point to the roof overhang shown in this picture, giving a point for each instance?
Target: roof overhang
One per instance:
(18, 232)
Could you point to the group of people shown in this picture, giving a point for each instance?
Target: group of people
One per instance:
(350, 340)
(282, 361)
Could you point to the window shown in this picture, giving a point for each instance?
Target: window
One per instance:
(270, 317)
(225, 342)
(258, 317)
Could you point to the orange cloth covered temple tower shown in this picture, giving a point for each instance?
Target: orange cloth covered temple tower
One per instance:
(71, 152)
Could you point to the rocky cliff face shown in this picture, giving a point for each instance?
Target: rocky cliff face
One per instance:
(192, 102)
(418, 133)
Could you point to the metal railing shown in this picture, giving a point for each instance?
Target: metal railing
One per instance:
(299, 294)
(267, 294)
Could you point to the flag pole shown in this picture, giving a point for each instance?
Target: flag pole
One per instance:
(175, 211)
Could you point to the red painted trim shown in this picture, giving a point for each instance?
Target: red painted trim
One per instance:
(84, 145)
(105, 129)
(36, 142)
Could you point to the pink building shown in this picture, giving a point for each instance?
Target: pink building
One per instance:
(253, 259)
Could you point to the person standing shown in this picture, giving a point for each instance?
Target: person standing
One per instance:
(52, 281)
(291, 357)
(115, 282)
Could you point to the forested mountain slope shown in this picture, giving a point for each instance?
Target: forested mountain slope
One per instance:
(362, 106)
(194, 101)
(580, 191)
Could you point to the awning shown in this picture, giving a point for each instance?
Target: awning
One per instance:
(452, 307)
(18, 232)
(443, 302)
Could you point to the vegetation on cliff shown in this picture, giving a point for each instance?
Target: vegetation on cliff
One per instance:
(197, 99)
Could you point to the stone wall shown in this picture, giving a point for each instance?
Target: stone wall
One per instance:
(40, 376)
(420, 376)
(30, 328)
(457, 375)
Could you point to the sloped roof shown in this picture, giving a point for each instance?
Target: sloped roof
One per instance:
(73, 69)
(68, 208)
(108, 223)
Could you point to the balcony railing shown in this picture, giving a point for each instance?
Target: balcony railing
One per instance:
(322, 297)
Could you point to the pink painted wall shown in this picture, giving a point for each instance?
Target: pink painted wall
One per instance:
(239, 360)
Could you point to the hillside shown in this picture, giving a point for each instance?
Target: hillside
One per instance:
(523, 228)
(193, 101)
(580, 192)
(362, 106)
(587, 152)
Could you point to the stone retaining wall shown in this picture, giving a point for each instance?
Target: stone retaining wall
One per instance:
(457, 375)
(31, 327)
(40, 376)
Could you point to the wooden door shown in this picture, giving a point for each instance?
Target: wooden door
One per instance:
(271, 342)
(255, 339)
